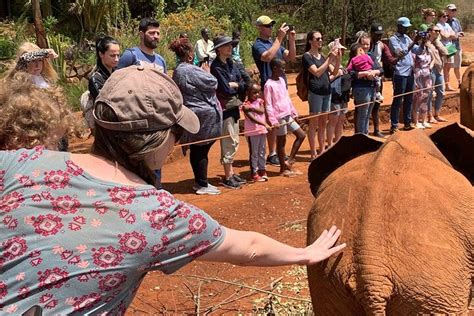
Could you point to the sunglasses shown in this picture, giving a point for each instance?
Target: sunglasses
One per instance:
(268, 26)
(453, 10)
(317, 39)
(444, 16)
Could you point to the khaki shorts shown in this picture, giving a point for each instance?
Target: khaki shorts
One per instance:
(229, 145)
(457, 59)
(448, 60)
(288, 125)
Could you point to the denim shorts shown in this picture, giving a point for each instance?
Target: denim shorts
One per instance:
(290, 125)
(318, 103)
(341, 108)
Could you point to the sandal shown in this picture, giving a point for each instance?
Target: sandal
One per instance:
(440, 119)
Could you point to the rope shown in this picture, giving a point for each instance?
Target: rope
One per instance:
(307, 117)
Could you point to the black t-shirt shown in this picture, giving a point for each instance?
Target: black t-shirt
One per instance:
(316, 85)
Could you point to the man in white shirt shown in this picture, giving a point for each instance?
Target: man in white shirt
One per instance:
(204, 48)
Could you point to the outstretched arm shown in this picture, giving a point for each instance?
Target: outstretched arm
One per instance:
(254, 249)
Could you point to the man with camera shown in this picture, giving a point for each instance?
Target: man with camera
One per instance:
(401, 46)
(263, 51)
(451, 10)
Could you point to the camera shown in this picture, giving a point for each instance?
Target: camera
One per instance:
(290, 27)
(423, 34)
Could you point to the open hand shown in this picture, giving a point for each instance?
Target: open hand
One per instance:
(323, 248)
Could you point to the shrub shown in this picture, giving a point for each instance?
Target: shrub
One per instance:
(7, 48)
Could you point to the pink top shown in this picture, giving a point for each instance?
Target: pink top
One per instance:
(277, 100)
(360, 63)
(250, 126)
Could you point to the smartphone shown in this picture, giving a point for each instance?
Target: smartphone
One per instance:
(337, 43)
(290, 27)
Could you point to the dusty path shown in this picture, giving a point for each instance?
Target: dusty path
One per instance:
(277, 208)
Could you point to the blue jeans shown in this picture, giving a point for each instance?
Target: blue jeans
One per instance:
(402, 84)
(437, 79)
(363, 95)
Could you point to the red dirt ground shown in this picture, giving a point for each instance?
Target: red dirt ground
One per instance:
(277, 208)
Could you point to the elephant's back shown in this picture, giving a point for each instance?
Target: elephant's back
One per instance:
(407, 219)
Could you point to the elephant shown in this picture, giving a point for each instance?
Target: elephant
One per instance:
(407, 216)
(466, 98)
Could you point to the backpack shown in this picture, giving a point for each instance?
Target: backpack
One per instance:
(302, 83)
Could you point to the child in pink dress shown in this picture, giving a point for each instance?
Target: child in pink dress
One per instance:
(282, 114)
(256, 130)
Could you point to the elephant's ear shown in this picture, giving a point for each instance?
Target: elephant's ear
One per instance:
(456, 143)
(347, 148)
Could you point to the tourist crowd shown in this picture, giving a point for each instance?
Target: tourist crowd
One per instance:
(215, 86)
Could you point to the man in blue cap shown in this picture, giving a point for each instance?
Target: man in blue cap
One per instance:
(401, 46)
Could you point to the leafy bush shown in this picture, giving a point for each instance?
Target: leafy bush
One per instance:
(73, 93)
(60, 44)
(7, 48)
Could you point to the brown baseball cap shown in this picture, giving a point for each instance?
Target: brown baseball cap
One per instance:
(145, 99)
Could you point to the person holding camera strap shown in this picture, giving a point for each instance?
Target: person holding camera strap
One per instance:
(263, 51)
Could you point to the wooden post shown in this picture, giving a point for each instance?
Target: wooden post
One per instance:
(41, 40)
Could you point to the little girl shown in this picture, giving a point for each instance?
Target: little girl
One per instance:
(363, 62)
(256, 130)
(423, 65)
(281, 114)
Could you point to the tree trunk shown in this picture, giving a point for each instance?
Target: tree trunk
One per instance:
(47, 8)
(39, 28)
(344, 24)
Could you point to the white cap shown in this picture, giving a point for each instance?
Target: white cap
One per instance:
(451, 6)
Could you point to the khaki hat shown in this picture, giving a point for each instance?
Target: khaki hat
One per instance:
(144, 99)
(451, 6)
(264, 20)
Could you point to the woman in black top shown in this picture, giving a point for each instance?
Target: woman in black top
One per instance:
(108, 54)
(319, 95)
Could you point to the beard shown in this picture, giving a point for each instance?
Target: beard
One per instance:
(150, 43)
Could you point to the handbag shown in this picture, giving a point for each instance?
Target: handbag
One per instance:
(232, 102)
(452, 50)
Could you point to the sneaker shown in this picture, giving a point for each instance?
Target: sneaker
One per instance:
(393, 130)
(379, 97)
(379, 134)
(440, 119)
(427, 125)
(408, 127)
(231, 183)
(288, 174)
(420, 125)
(239, 179)
(263, 174)
(210, 189)
(257, 178)
(197, 186)
(273, 160)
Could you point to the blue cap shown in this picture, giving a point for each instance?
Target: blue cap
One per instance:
(403, 21)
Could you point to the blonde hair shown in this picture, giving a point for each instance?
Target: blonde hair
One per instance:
(30, 115)
(48, 72)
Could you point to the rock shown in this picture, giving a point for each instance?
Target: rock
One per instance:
(467, 58)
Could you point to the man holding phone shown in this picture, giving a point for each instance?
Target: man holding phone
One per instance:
(263, 51)
(457, 28)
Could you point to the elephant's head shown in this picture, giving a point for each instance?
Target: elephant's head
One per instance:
(453, 144)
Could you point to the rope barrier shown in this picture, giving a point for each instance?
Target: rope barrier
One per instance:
(307, 117)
